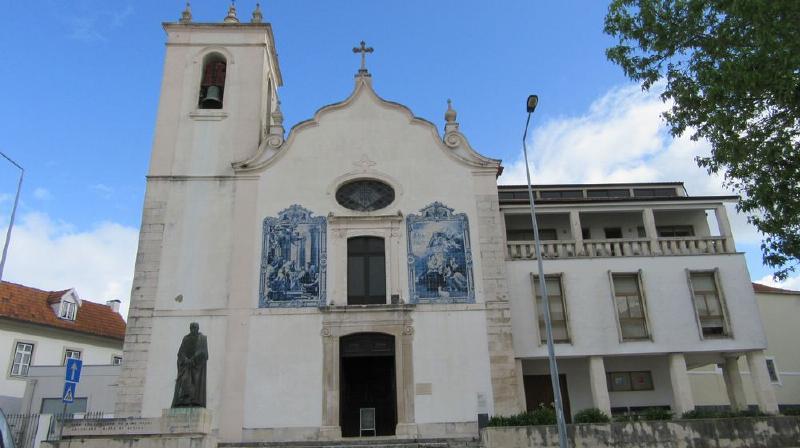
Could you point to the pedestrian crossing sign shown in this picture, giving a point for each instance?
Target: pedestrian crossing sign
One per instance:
(69, 392)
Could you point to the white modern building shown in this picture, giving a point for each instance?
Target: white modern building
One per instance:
(779, 309)
(44, 328)
(645, 283)
(366, 262)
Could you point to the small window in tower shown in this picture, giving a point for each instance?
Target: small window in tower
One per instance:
(212, 85)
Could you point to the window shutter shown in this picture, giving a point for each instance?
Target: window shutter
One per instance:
(643, 298)
(692, 302)
(727, 324)
(614, 304)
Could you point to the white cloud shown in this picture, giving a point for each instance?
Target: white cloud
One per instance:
(42, 194)
(103, 190)
(52, 255)
(91, 21)
(792, 283)
(621, 138)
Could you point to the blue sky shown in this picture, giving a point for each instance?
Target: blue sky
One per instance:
(82, 79)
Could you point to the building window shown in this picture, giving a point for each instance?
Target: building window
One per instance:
(772, 369)
(116, 360)
(586, 233)
(708, 304)
(610, 193)
(674, 231)
(68, 310)
(365, 195)
(558, 310)
(561, 194)
(515, 196)
(23, 354)
(613, 232)
(366, 271)
(654, 192)
(630, 306)
(212, 85)
(69, 353)
(630, 381)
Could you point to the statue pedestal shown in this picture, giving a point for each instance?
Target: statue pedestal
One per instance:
(173, 429)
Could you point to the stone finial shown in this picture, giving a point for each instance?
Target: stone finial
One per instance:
(450, 124)
(450, 114)
(257, 16)
(231, 17)
(186, 15)
(277, 115)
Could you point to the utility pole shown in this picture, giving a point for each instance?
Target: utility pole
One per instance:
(13, 213)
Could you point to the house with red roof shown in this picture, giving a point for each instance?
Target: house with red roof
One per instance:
(44, 328)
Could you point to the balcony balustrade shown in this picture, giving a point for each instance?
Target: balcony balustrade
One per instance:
(621, 247)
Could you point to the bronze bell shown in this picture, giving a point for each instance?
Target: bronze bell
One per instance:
(213, 99)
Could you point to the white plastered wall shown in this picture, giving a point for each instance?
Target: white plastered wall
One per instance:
(591, 312)
(455, 362)
(284, 370)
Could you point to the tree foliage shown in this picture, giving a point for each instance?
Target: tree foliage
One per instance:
(731, 70)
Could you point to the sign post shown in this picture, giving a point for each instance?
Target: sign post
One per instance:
(72, 375)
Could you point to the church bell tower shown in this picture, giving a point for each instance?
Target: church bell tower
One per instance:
(218, 95)
(218, 103)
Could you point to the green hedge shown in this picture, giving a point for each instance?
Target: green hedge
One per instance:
(591, 415)
(542, 416)
(649, 414)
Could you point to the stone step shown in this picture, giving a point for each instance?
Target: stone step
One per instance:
(376, 442)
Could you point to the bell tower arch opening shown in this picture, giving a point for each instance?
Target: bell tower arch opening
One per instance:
(212, 84)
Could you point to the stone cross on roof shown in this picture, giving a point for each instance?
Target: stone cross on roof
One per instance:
(364, 49)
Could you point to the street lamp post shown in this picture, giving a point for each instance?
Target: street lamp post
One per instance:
(533, 100)
(13, 214)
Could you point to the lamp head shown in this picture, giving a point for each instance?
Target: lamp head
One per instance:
(533, 100)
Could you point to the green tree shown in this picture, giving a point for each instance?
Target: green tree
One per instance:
(731, 70)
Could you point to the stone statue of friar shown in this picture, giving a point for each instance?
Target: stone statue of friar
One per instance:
(190, 386)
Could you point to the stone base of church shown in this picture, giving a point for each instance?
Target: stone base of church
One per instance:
(406, 430)
(176, 428)
(330, 433)
(447, 430)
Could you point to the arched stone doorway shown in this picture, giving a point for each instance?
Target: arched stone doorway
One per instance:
(394, 324)
(367, 383)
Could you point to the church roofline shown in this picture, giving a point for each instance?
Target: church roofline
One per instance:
(448, 143)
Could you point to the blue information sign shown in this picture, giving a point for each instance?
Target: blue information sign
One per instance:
(69, 392)
(73, 371)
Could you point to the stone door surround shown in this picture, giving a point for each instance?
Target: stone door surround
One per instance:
(339, 321)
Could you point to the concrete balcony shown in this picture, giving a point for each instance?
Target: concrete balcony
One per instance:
(621, 247)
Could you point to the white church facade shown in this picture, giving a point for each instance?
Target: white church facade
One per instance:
(395, 275)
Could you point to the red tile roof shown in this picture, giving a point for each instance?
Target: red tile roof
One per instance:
(26, 304)
(758, 287)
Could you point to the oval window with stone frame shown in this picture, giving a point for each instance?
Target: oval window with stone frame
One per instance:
(365, 195)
